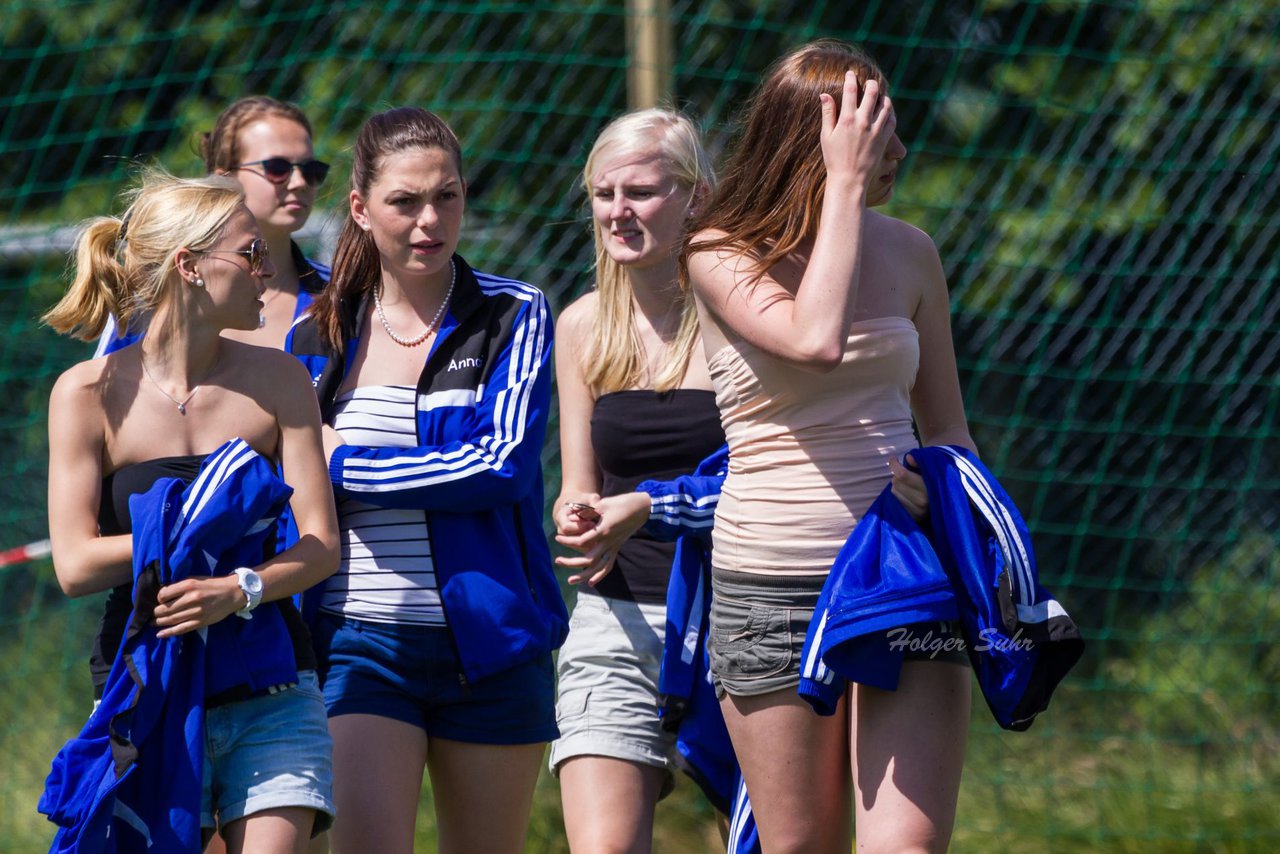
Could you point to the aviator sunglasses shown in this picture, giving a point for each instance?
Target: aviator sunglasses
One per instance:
(277, 170)
(257, 254)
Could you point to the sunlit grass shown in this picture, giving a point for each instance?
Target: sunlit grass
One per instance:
(1086, 777)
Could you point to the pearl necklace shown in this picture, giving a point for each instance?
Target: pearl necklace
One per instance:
(431, 327)
(181, 404)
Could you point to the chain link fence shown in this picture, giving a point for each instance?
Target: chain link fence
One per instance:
(1100, 178)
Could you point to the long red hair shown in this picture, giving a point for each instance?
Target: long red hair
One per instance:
(770, 193)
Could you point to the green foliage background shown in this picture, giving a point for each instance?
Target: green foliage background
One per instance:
(1100, 178)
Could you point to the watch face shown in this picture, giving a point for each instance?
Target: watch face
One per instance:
(250, 582)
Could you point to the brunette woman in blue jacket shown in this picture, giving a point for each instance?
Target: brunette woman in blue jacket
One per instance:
(435, 635)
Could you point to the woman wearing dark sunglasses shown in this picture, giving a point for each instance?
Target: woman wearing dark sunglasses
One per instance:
(265, 145)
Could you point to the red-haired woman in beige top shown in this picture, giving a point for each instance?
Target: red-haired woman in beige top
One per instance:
(827, 330)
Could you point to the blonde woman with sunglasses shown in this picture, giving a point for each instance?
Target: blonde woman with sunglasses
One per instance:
(190, 255)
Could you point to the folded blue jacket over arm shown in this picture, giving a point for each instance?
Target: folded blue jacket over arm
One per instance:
(975, 564)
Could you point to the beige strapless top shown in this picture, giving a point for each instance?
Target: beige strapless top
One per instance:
(809, 452)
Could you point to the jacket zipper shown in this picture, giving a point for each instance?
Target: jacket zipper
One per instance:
(431, 536)
(347, 358)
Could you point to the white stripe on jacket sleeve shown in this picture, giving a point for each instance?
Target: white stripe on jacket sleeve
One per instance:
(486, 453)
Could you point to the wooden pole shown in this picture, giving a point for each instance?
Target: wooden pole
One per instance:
(650, 54)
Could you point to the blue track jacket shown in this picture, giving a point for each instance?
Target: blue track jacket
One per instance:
(683, 510)
(312, 277)
(132, 779)
(975, 564)
(483, 397)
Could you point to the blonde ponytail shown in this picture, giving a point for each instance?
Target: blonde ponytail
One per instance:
(99, 284)
(129, 275)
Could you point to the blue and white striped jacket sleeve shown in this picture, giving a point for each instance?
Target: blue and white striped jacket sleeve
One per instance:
(686, 505)
(496, 460)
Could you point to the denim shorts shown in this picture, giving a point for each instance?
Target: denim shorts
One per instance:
(412, 674)
(759, 624)
(608, 684)
(269, 752)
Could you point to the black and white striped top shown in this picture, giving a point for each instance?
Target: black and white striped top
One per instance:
(386, 573)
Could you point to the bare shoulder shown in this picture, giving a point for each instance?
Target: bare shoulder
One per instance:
(85, 381)
(720, 268)
(579, 315)
(901, 238)
(281, 372)
(707, 235)
(80, 400)
(576, 322)
(722, 252)
(909, 255)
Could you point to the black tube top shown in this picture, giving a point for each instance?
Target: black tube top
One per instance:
(638, 435)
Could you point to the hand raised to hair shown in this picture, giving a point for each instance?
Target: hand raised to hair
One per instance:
(854, 138)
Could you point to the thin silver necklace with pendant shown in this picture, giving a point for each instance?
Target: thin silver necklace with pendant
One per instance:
(181, 404)
(262, 316)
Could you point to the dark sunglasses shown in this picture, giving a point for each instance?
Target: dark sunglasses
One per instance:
(277, 170)
(256, 253)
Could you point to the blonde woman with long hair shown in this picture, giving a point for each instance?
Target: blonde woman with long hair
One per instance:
(635, 404)
(189, 254)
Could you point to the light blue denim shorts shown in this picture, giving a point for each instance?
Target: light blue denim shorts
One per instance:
(269, 752)
(608, 684)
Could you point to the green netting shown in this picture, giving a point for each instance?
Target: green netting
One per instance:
(1099, 176)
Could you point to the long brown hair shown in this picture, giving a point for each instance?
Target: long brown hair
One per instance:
(123, 266)
(614, 357)
(770, 196)
(220, 147)
(357, 267)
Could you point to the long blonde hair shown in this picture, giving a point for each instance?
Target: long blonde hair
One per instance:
(122, 266)
(614, 355)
